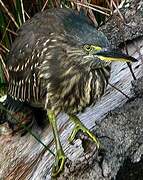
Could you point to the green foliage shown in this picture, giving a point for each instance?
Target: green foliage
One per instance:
(19, 12)
(5, 36)
(2, 81)
(1, 75)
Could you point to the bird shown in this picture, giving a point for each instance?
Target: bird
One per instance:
(61, 63)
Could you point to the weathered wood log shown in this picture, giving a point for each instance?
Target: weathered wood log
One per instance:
(120, 132)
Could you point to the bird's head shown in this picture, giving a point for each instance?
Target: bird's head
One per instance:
(104, 56)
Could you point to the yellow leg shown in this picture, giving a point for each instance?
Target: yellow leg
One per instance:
(80, 126)
(60, 156)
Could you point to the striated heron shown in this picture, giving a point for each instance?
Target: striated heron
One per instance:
(60, 63)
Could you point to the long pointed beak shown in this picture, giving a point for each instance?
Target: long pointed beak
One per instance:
(114, 55)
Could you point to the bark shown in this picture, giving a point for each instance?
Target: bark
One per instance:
(117, 121)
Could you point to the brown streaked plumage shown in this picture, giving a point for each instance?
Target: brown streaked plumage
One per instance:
(49, 66)
(53, 64)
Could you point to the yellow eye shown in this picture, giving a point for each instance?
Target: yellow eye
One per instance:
(87, 48)
(92, 48)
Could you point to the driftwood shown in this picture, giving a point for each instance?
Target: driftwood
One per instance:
(117, 121)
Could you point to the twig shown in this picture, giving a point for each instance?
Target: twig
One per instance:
(129, 64)
(9, 14)
(27, 14)
(5, 48)
(4, 33)
(44, 5)
(5, 69)
(7, 29)
(22, 9)
(118, 11)
(125, 44)
(119, 90)
(90, 7)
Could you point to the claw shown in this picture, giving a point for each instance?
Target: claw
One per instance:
(59, 163)
(80, 127)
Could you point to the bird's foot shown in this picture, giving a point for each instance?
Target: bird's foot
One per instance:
(60, 160)
(79, 126)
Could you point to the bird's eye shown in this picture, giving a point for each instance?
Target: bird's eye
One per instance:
(91, 48)
(87, 48)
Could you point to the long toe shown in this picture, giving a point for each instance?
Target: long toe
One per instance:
(79, 126)
(58, 167)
